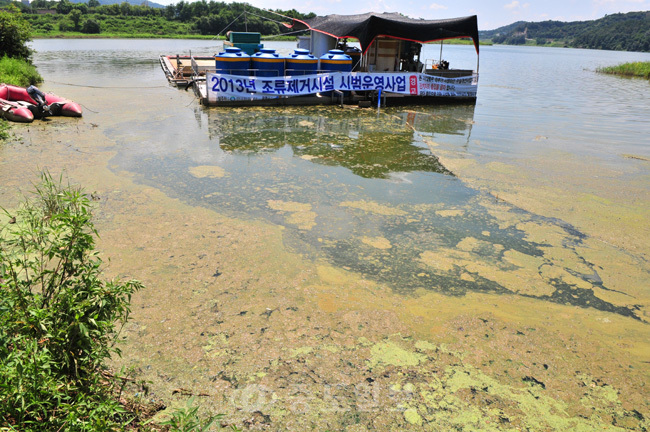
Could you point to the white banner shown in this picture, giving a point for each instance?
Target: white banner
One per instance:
(222, 87)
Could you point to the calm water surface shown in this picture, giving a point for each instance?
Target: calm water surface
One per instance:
(360, 189)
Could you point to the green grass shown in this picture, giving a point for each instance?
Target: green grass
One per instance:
(18, 72)
(634, 69)
(4, 130)
(462, 42)
(77, 35)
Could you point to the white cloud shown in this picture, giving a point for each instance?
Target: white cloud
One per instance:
(616, 3)
(436, 6)
(517, 8)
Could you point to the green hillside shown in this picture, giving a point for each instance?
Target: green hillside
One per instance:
(623, 32)
(202, 18)
(183, 19)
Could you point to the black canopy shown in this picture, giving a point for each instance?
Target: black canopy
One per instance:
(366, 27)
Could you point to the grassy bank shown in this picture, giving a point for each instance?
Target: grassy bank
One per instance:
(105, 35)
(634, 69)
(18, 72)
(462, 42)
(78, 35)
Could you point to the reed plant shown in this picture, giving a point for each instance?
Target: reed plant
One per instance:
(633, 69)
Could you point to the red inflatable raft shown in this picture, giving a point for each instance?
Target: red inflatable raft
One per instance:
(16, 102)
(15, 112)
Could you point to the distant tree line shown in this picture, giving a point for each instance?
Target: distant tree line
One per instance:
(628, 32)
(623, 32)
(197, 17)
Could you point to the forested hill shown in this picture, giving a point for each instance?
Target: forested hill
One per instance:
(623, 32)
(131, 2)
(110, 18)
(147, 18)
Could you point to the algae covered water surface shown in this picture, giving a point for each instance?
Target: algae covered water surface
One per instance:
(440, 302)
(473, 267)
(365, 191)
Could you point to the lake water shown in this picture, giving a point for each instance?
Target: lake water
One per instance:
(339, 178)
(538, 192)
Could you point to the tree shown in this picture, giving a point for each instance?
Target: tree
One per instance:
(519, 39)
(14, 34)
(199, 8)
(75, 17)
(91, 26)
(170, 12)
(82, 7)
(125, 9)
(93, 3)
(66, 25)
(269, 28)
(64, 7)
(39, 4)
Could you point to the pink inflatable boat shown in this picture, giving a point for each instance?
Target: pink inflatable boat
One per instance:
(24, 104)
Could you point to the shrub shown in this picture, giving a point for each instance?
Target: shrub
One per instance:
(75, 17)
(14, 34)
(18, 72)
(90, 26)
(66, 25)
(64, 7)
(59, 320)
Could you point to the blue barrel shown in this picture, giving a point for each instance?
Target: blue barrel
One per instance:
(301, 62)
(355, 54)
(233, 62)
(336, 61)
(268, 63)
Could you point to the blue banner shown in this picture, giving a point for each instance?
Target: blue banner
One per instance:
(222, 87)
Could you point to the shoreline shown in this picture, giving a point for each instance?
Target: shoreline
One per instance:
(283, 341)
(241, 334)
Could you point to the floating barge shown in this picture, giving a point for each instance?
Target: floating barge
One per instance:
(387, 69)
(182, 70)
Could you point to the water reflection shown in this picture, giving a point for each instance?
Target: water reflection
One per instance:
(370, 146)
(365, 192)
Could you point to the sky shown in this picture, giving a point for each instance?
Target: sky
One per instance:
(491, 13)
